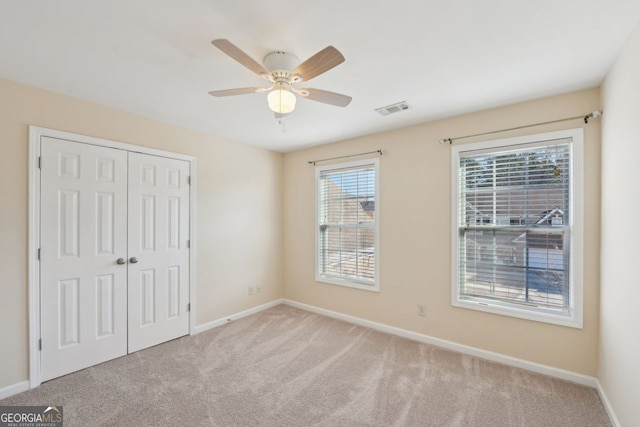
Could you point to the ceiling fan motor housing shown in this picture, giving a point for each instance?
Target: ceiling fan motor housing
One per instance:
(280, 61)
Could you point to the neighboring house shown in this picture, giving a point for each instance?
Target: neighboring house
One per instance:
(553, 216)
(342, 255)
(535, 259)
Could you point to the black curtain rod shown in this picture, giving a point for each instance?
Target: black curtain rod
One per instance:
(592, 115)
(313, 162)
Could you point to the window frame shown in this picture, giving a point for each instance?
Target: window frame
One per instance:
(348, 282)
(575, 230)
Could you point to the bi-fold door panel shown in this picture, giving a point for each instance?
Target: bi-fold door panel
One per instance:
(83, 233)
(158, 250)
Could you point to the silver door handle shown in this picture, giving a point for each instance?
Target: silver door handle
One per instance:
(121, 261)
(133, 260)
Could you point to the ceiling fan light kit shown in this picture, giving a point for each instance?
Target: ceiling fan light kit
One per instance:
(284, 70)
(281, 101)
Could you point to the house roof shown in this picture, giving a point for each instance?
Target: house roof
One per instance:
(548, 214)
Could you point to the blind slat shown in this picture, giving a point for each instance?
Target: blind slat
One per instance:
(514, 225)
(347, 215)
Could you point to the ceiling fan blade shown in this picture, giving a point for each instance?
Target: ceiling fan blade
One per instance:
(239, 91)
(326, 97)
(234, 51)
(319, 63)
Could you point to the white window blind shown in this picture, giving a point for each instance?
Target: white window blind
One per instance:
(514, 226)
(347, 224)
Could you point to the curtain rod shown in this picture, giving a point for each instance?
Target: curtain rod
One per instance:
(313, 162)
(592, 115)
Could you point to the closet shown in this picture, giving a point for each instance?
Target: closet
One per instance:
(114, 253)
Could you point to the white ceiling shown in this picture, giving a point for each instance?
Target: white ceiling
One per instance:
(154, 57)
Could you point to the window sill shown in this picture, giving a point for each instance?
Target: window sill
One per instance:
(574, 321)
(348, 283)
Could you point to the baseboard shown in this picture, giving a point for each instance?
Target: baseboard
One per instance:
(450, 345)
(215, 323)
(14, 389)
(607, 405)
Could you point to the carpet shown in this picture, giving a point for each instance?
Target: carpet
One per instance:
(289, 367)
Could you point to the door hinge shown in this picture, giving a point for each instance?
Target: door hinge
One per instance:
(188, 243)
(39, 162)
(40, 344)
(38, 254)
(189, 180)
(189, 307)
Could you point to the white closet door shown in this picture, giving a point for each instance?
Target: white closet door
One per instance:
(158, 251)
(83, 233)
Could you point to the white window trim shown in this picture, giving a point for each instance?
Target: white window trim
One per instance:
(338, 281)
(576, 213)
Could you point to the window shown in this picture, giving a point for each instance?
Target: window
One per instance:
(347, 224)
(517, 243)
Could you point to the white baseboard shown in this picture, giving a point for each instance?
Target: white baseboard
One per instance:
(607, 405)
(450, 345)
(215, 323)
(14, 389)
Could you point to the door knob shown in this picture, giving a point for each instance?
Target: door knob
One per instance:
(133, 260)
(121, 261)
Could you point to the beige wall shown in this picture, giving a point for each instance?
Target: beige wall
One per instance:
(239, 202)
(415, 236)
(256, 210)
(620, 287)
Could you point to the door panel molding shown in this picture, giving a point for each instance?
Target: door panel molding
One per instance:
(71, 233)
(158, 283)
(104, 173)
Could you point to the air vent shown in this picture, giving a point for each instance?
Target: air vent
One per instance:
(393, 108)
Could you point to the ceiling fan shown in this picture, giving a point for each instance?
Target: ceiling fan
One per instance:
(283, 70)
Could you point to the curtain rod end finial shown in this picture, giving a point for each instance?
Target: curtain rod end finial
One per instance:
(593, 115)
(445, 141)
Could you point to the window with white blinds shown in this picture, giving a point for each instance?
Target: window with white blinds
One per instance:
(347, 224)
(515, 227)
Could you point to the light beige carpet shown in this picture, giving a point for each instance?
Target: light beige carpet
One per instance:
(287, 367)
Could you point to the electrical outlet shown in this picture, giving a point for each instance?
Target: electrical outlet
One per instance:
(422, 310)
(251, 290)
